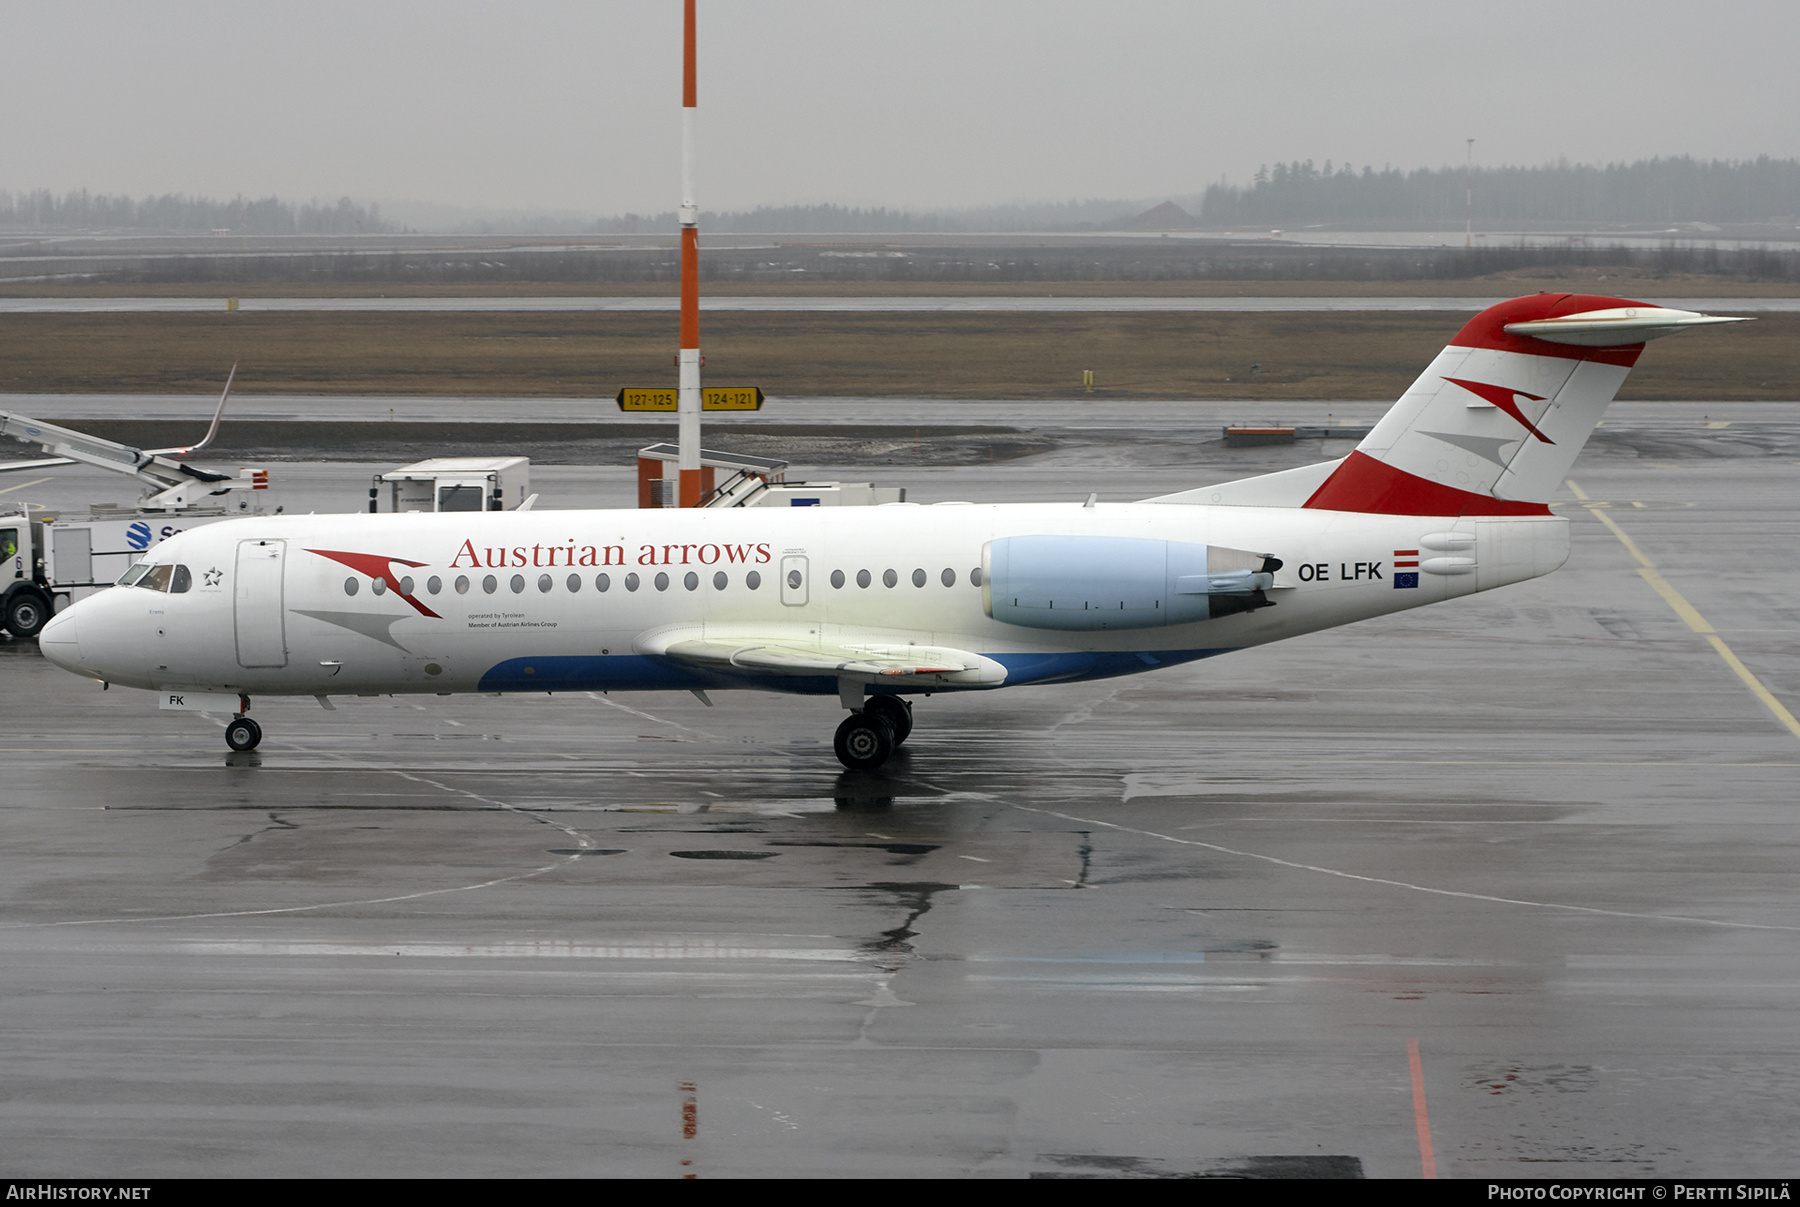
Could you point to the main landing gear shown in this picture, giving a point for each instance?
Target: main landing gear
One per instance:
(243, 733)
(866, 738)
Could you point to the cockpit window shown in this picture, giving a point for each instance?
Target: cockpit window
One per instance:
(173, 579)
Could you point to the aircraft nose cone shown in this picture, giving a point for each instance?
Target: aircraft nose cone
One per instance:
(58, 642)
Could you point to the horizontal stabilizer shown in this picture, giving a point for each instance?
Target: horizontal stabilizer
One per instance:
(1614, 327)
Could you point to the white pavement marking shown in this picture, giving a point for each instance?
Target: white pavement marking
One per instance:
(581, 839)
(1402, 884)
(599, 698)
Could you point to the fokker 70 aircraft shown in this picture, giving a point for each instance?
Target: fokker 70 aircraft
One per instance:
(1446, 496)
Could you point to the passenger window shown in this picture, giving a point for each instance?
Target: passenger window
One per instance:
(182, 581)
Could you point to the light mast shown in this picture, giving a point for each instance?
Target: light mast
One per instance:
(687, 404)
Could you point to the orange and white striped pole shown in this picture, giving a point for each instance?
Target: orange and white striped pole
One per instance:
(687, 404)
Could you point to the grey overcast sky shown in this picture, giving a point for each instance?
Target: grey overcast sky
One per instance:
(574, 104)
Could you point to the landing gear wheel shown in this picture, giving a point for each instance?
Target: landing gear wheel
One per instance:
(26, 613)
(864, 742)
(895, 711)
(243, 734)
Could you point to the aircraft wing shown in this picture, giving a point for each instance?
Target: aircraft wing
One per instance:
(870, 659)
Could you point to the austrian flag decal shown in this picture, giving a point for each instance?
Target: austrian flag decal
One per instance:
(1406, 568)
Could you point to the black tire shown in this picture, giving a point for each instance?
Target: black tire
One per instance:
(895, 711)
(864, 742)
(243, 734)
(27, 612)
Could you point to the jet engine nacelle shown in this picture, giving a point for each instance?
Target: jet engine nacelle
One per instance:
(1109, 582)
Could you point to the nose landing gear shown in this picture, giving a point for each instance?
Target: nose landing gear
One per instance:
(243, 733)
(867, 738)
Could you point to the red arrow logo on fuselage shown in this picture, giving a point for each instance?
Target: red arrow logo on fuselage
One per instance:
(376, 566)
(1502, 397)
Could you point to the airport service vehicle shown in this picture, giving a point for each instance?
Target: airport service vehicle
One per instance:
(455, 484)
(1447, 495)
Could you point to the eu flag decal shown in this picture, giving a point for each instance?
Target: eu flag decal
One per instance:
(1406, 568)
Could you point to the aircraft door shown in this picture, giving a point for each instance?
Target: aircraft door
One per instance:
(259, 615)
(793, 580)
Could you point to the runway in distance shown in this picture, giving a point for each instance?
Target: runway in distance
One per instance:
(1447, 495)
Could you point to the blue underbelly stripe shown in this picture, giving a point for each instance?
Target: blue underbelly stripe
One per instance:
(639, 672)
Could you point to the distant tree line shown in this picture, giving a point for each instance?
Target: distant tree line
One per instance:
(1677, 189)
(840, 219)
(1140, 260)
(1673, 190)
(80, 210)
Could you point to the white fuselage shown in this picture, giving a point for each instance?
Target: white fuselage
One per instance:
(513, 601)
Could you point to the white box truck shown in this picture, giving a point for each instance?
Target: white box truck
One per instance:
(454, 484)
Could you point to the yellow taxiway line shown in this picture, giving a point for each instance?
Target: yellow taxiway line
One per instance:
(1647, 570)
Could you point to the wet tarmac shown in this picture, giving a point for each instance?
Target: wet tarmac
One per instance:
(1191, 922)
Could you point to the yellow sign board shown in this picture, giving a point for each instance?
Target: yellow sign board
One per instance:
(731, 398)
(712, 398)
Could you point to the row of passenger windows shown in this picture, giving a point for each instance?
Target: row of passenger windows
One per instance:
(603, 582)
(546, 583)
(890, 578)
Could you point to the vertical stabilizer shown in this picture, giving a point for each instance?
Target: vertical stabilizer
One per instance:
(1495, 422)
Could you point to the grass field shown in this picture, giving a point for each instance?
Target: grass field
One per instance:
(964, 355)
